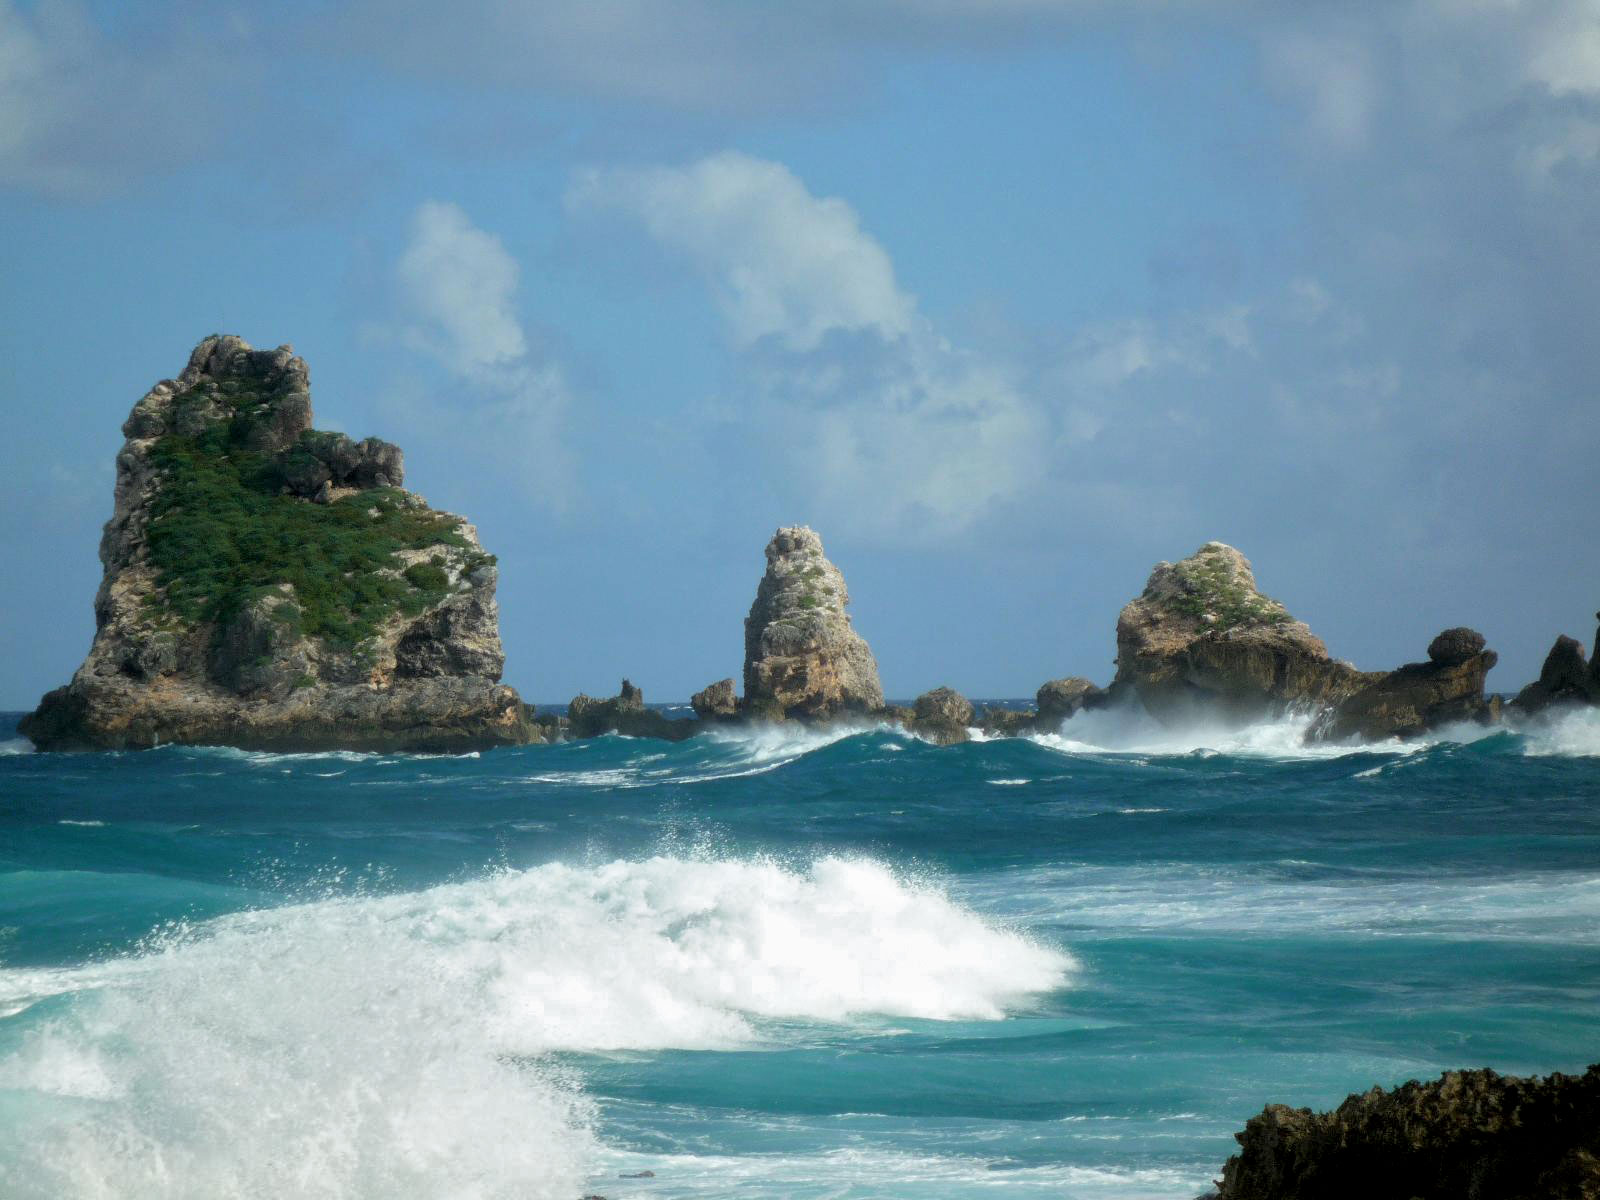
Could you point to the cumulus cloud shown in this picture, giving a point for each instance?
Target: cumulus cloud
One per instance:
(457, 288)
(780, 261)
(869, 415)
(460, 282)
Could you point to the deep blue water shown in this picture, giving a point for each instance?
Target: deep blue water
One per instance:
(763, 966)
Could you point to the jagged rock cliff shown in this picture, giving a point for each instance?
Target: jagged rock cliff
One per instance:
(1470, 1135)
(801, 657)
(1566, 678)
(1418, 696)
(268, 586)
(1203, 643)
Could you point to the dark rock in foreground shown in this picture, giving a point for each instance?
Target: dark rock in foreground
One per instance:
(1419, 696)
(801, 657)
(1470, 1135)
(270, 587)
(1203, 643)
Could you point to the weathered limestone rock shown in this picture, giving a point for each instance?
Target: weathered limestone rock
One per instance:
(1060, 699)
(624, 713)
(942, 715)
(718, 702)
(801, 657)
(1202, 642)
(234, 611)
(1418, 696)
(1469, 1135)
(1565, 679)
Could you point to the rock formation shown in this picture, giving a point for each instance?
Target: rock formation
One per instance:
(268, 586)
(942, 715)
(1418, 696)
(718, 702)
(1060, 699)
(1470, 1135)
(1566, 678)
(1202, 642)
(801, 657)
(624, 713)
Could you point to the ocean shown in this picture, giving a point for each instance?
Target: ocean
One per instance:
(769, 964)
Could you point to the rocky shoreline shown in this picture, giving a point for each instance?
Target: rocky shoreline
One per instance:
(269, 586)
(1469, 1135)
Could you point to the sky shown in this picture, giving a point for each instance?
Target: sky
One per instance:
(1008, 299)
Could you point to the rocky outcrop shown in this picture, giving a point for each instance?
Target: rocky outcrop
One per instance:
(717, 702)
(801, 657)
(942, 715)
(624, 713)
(1566, 678)
(235, 610)
(1470, 1135)
(1417, 697)
(1202, 642)
(1060, 699)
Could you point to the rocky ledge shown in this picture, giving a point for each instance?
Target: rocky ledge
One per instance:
(268, 586)
(1469, 1135)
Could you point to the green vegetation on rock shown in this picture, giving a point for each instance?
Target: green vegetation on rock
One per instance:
(1212, 588)
(222, 532)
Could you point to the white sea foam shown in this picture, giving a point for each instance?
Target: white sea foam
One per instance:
(392, 1046)
(1573, 732)
(1133, 731)
(1549, 907)
(16, 745)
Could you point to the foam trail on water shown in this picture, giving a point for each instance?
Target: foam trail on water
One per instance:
(391, 1046)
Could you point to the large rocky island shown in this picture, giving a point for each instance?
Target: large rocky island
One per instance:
(268, 586)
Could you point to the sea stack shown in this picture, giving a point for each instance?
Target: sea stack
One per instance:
(801, 657)
(268, 586)
(1203, 643)
(1566, 680)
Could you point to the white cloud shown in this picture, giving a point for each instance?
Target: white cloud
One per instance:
(460, 282)
(458, 287)
(781, 262)
(871, 419)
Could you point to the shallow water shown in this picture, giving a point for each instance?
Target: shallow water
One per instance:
(841, 965)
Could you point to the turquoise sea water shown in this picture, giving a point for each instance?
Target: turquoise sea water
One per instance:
(775, 965)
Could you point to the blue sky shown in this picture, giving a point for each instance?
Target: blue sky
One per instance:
(1008, 299)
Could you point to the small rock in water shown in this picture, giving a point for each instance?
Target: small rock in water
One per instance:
(637, 1175)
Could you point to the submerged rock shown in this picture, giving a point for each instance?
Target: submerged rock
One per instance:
(1418, 696)
(1469, 1135)
(233, 610)
(1202, 642)
(801, 657)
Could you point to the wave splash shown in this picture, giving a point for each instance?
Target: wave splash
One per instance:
(392, 1046)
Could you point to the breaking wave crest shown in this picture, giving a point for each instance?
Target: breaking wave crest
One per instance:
(398, 1045)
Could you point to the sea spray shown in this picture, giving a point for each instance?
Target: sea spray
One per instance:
(397, 1045)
